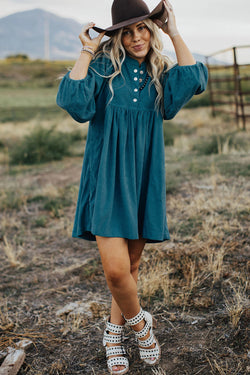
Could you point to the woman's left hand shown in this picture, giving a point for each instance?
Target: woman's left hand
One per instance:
(170, 26)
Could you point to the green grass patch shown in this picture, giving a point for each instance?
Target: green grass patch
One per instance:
(41, 221)
(16, 73)
(202, 100)
(55, 205)
(12, 199)
(199, 167)
(216, 144)
(24, 104)
(174, 178)
(244, 215)
(189, 227)
(171, 130)
(90, 270)
(27, 97)
(42, 145)
(37, 199)
(22, 114)
(233, 168)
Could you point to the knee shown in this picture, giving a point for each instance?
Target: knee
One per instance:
(134, 263)
(134, 266)
(116, 275)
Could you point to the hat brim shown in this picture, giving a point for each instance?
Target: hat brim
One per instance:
(159, 13)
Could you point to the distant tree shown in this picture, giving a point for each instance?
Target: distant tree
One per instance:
(18, 56)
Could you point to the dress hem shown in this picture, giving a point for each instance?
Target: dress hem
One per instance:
(88, 236)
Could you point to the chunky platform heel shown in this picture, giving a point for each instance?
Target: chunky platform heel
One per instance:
(113, 334)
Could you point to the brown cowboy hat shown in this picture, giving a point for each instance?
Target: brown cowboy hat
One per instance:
(126, 12)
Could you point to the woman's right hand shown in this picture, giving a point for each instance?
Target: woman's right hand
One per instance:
(86, 39)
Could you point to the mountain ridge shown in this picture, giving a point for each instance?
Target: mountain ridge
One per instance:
(28, 32)
(44, 35)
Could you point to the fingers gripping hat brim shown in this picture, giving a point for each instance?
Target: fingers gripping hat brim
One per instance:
(159, 13)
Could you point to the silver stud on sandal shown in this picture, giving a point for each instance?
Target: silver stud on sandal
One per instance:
(150, 356)
(113, 334)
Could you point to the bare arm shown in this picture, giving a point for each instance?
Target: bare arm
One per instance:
(183, 54)
(81, 66)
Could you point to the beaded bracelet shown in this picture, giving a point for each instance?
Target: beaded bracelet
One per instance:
(89, 50)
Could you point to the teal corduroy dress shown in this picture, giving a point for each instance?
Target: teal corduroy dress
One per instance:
(122, 189)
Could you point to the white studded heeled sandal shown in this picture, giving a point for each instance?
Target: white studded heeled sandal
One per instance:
(150, 356)
(113, 334)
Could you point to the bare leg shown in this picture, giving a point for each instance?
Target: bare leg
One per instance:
(116, 264)
(121, 257)
(135, 248)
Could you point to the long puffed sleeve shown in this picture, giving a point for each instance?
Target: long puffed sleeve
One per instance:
(180, 84)
(78, 97)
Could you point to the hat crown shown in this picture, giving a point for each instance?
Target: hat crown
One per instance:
(123, 10)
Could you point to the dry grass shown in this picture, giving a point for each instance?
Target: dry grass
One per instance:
(195, 284)
(6, 322)
(154, 279)
(215, 262)
(221, 368)
(12, 254)
(237, 303)
(159, 371)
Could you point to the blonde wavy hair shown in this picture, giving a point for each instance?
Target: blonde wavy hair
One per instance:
(156, 62)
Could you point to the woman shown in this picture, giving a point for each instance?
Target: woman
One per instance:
(125, 88)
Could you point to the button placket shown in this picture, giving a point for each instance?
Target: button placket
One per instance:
(136, 89)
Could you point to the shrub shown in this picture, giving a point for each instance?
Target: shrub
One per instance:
(217, 144)
(18, 56)
(77, 135)
(202, 100)
(55, 205)
(172, 130)
(41, 222)
(13, 200)
(41, 146)
(19, 114)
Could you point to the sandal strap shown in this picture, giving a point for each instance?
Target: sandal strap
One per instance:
(143, 331)
(111, 339)
(149, 353)
(114, 328)
(117, 361)
(115, 350)
(136, 319)
(148, 342)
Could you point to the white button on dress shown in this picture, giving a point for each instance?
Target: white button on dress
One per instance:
(141, 72)
(135, 79)
(135, 90)
(135, 70)
(135, 100)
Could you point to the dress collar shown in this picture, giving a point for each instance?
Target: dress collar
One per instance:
(134, 63)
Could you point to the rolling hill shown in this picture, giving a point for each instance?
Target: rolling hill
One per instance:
(44, 35)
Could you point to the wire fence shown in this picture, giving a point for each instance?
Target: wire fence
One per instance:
(229, 83)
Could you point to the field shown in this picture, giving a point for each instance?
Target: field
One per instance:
(52, 287)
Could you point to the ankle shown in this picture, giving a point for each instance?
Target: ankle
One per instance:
(139, 326)
(117, 321)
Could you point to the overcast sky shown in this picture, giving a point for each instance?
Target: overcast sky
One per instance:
(207, 26)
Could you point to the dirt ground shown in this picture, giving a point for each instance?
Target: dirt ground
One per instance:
(53, 289)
